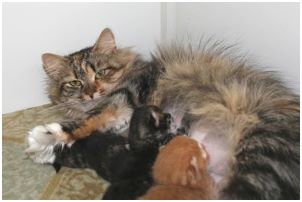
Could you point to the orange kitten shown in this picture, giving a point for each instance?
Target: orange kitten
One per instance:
(180, 172)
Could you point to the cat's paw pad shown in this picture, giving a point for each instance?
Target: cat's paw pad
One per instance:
(41, 141)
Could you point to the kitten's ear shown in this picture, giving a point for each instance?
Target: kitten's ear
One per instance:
(52, 64)
(105, 43)
(193, 171)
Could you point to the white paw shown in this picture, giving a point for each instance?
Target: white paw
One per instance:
(41, 141)
(120, 126)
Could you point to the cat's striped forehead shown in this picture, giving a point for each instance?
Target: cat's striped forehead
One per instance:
(81, 66)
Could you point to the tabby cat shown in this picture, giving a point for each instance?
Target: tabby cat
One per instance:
(247, 119)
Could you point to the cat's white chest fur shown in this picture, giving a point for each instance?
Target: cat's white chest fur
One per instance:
(218, 150)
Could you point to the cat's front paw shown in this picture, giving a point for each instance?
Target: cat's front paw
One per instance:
(120, 126)
(41, 141)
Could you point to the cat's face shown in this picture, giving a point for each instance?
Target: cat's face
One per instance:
(88, 73)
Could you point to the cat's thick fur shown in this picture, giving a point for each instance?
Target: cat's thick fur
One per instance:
(180, 172)
(247, 119)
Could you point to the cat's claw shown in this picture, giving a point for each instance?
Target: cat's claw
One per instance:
(42, 140)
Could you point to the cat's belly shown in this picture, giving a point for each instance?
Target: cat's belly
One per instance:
(219, 153)
(216, 144)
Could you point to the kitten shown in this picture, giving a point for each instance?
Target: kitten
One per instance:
(146, 135)
(125, 162)
(247, 119)
(180, 172)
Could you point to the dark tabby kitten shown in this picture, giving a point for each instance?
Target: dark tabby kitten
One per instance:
(149, 129)
(125, 162)
(246, 118)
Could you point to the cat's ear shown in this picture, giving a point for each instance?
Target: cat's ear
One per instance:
(52, 65)
(154, 116)
(105, 43)
(193, 171)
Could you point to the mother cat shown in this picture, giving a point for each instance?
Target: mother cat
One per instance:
(246, 118)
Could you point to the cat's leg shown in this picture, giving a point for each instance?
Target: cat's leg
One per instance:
(114, 115)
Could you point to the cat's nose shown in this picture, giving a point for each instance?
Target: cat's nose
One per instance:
(88, 96)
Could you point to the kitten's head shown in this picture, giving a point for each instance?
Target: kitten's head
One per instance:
(89, 73)
(183, 161)
(148, 124)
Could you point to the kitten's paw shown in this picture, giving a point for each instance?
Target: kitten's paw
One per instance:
(122, 122)
(121, 126)
(41, 141)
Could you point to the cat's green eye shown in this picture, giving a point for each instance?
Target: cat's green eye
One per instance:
(75, 83)
(102, 73)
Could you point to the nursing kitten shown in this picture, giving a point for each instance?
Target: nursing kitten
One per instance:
(124, 162)
(146, 135)
(180, 172)
(247, 119)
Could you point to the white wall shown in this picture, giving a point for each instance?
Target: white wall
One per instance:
(30, 29)
(268, 31)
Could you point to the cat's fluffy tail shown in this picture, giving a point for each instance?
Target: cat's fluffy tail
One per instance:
(268, 164)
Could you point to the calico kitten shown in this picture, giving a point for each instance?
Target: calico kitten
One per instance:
(180, 172)
(247, 119)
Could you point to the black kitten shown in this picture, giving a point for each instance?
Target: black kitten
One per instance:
(126, 163)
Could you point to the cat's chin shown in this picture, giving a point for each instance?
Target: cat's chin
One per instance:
(41, 142)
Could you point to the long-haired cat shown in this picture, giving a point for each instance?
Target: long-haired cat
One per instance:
(247, 119)
(180, 172)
